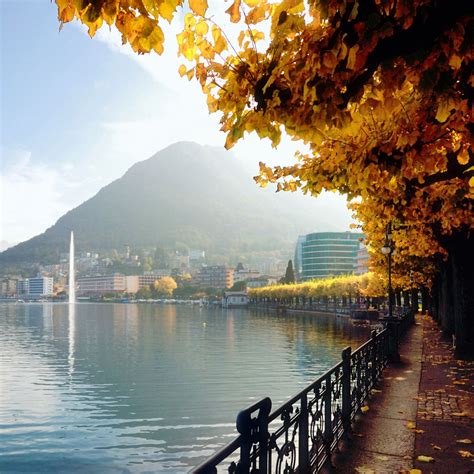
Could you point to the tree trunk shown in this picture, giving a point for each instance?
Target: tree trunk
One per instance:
(414, 299)
(424, 300)
(446, 310)
(406, 298)
(398, 298)
(462, 272)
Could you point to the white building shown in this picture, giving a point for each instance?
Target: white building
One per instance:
(35, 287)
(235, 299)
(101, 284)
(245, 275)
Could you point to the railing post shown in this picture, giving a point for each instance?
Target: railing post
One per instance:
(393, 335)
(373, 338)
(328, 434)
(346, 388)
(254, 430)
(303, 449)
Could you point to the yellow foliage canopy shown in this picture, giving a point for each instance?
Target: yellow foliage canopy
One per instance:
(381, 92)
(369, 284)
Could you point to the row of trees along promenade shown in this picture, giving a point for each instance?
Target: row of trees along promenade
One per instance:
(380, 92)
(335, 293)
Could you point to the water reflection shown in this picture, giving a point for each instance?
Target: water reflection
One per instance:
(139, 388)
(71, 336)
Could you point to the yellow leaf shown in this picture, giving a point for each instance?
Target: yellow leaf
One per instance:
(464, 441)
(190, 74)
(352, 56)
(198, 6)
(252, 3)
(415, 471)
(410, 425)
(364, 409)
(444, 111)
(466, 454)
(455, 61)
(234, 11)
(167, 9)
(182, 70)
(202, 28)
(189, 20)
(425, 459)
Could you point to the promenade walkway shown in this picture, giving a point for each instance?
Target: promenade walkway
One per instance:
(424, 407)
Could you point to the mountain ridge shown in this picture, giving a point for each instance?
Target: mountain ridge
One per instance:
(189, 193)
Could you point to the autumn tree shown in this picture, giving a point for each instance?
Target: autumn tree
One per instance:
(164, 286)
(379, 91)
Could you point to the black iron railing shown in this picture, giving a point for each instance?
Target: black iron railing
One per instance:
(300, 435)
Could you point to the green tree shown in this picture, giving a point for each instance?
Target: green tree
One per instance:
(239, 286)
(144, 293)
(290, 273)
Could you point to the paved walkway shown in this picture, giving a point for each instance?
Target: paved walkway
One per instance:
(383, 440)
(421, 418)
(445, 418)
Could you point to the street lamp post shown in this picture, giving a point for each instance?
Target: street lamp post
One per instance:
(387, 250)
(392, 323)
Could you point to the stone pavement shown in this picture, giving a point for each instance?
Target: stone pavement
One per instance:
(383, 439)
(445, 420)
(420, 419)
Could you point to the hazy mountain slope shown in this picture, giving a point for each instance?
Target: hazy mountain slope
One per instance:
(194, 194)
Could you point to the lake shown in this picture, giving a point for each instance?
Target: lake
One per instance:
(118, 388)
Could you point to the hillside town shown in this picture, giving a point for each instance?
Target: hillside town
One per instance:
(186, 274)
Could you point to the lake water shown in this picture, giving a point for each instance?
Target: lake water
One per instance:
(111, 388)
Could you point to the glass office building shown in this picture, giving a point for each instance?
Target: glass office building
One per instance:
(324, 254)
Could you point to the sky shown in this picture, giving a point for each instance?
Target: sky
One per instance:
(76, 113)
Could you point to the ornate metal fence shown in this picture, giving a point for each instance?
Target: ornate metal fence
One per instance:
(300, 435)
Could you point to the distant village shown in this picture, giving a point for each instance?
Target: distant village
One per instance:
(186, 274)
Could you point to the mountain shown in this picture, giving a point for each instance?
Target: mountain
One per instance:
(198, 195)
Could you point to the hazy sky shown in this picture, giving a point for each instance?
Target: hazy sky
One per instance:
(76, 113)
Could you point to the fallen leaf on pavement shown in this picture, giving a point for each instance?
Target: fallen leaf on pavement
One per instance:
(464, 441)
(382, 458)
(415, 471)
(411, 425)
(425, 459)
(364, 409)
(459, 414)
(466, 454)
(436, 447)
(364, 470)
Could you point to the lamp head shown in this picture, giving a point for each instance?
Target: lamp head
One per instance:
(386, 249)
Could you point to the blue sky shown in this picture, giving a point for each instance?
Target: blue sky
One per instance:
(76, 113)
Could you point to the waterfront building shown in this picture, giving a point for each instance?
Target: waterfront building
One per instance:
(216, 276)
(8, 287)
(101, 284)
(235, 299)
(362, 260)
(324, 254)
(148, 279)
(22, 287)
(36, 287)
